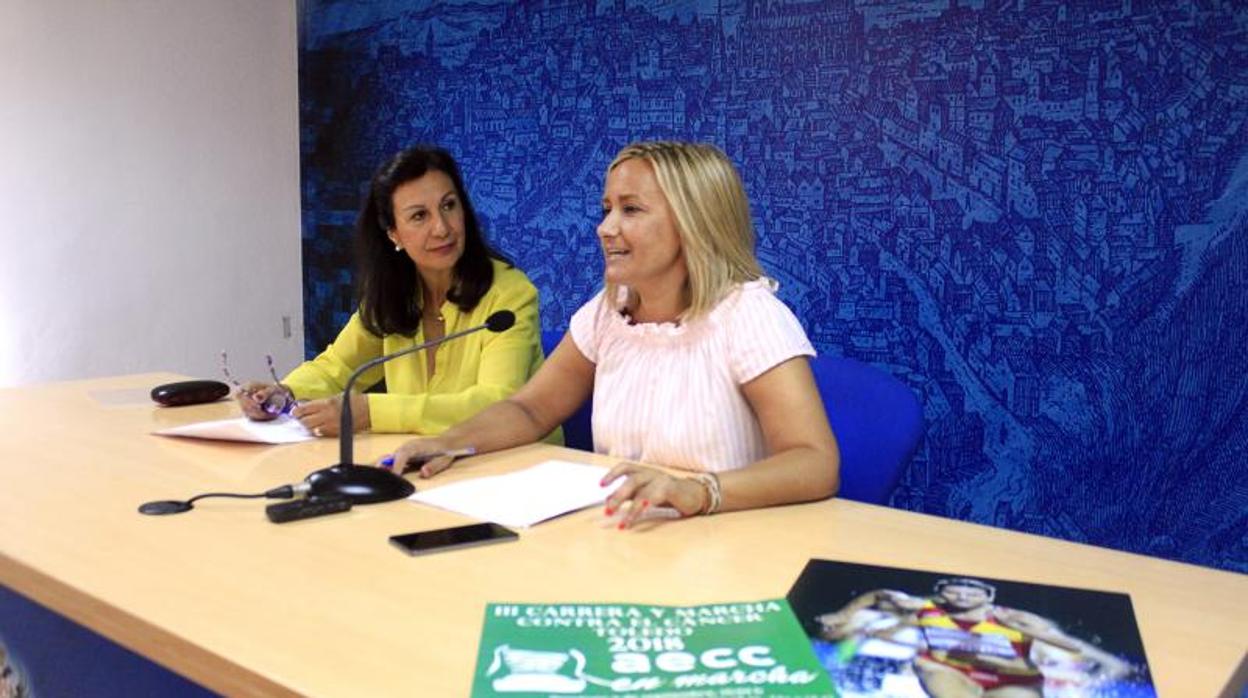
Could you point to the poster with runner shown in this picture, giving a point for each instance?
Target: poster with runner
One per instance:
(899, 633)
(743, 650)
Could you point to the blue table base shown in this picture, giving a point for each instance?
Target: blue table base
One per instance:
(48, 656)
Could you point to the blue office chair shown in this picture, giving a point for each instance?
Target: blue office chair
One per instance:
(578, 431)
(878, 422)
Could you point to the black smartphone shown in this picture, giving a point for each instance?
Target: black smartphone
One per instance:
(424, 542)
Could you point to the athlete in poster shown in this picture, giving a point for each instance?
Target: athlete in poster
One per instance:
(964, 645)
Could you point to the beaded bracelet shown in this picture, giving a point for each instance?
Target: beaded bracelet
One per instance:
(714, 496)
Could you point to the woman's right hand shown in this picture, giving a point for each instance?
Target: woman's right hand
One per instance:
(254, 396)
(413, 455)
(645, 487)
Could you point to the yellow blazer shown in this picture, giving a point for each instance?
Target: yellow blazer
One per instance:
(472, 372)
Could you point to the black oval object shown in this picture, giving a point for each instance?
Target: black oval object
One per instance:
(167, 506)
(189, 392)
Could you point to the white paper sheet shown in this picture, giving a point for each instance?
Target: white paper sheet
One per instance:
(283, 430)
(525, 497)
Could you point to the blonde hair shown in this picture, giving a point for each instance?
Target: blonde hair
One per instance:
(712, 218)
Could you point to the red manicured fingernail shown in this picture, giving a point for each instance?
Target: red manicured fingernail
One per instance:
(621, 526)
(609, 511)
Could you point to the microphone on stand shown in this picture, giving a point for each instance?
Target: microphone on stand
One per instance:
(364, 484)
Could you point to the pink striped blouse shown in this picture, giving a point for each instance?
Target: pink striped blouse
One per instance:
(670, 394)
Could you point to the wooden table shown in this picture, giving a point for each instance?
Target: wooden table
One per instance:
(327, 607)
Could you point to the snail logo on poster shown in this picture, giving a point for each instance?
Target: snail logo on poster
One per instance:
(537, 671)
(738, 649)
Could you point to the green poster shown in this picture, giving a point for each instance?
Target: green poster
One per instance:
(742, 650)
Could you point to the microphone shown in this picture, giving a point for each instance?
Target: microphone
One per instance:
(364, 484)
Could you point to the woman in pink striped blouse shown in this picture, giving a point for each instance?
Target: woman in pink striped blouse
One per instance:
(693, 363)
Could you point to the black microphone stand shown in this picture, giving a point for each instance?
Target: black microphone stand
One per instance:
(364, 484)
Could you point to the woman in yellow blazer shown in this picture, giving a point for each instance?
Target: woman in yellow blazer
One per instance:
(425, 271)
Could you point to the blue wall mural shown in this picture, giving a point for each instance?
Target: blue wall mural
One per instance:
(1031, 211)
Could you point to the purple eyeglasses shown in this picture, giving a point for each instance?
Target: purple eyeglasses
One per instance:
(280, 402)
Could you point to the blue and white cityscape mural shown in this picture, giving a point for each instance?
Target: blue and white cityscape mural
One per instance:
(1030, 211)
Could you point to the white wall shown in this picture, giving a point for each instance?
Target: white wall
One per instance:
(149, 187)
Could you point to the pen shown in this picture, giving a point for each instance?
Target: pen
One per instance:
(388, 461)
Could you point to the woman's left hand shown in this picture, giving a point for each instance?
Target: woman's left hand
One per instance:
(645, 487)
(322, 417)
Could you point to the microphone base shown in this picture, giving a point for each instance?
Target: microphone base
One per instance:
(359, 483)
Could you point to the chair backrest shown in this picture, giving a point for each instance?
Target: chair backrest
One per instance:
(578, 430)
(878, 422)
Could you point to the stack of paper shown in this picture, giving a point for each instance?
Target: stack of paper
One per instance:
(283, 430)
(524, 497)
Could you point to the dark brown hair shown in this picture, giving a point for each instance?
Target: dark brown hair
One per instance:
(389, 287)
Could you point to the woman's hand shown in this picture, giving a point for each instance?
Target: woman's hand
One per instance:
(644, 488)
(322, 417)
(415, 454)
(257, 400)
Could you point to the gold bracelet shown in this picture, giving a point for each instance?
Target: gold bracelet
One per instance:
(714, 497)
(706, 491)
